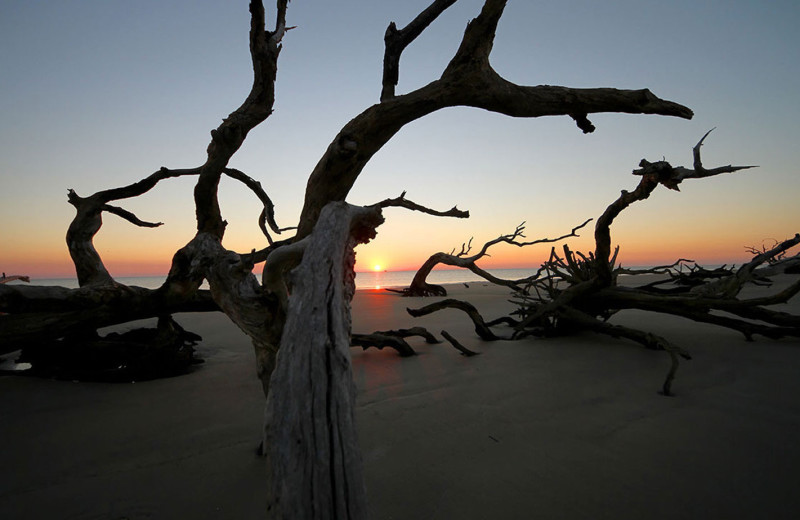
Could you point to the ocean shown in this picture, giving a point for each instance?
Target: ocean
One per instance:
(365, 280)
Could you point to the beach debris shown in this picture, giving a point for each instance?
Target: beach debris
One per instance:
(421, 287)
(481, 328)
(394, 339)
(139, 354)
(458, 346)
(574, 292)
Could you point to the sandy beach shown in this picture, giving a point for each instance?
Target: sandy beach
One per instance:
(568, 428)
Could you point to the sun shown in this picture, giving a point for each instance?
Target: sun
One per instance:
(377, 267)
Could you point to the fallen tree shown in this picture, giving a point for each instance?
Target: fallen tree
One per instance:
(420, 286)
(577, 292)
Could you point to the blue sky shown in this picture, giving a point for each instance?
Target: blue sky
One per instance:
(97, 94)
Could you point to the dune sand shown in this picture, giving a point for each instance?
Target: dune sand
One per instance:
(569, 428)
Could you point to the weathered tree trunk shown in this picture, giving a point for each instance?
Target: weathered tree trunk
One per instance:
(30, 315)
(310, 434)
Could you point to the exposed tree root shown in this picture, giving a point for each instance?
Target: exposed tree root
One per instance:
(421, 287)
(458, 346)
(577, 292)
(393, 339)
(481, 328)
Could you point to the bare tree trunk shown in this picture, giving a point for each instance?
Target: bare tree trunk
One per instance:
(310, 434)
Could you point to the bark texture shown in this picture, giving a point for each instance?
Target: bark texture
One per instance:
(310, 439)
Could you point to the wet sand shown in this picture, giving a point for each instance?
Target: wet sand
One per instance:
(569, 428)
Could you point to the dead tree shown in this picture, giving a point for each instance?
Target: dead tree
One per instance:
(324, 473)
(420, 286)
(577, 292)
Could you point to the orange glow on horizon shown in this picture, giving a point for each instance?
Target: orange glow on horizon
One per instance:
(638, 247)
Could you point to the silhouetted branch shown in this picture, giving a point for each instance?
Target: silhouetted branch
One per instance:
(468, 80)
(420, 286)
(481, 329)
(403, 202)
(396, 40)
(130, 217)
(267, 215)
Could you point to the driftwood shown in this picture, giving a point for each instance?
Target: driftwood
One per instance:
(393, 339)
(310, 435)
(579, 292)
(420, 286)
(36, 314)
(136, 355)
(481, 328)
(458, 346)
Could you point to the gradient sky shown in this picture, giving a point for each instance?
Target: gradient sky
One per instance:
(97, 94)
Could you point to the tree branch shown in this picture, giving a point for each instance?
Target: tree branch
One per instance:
(267, 215)
(396, 40)
(481, 329)
(420, 286)
(458, 346)
(403, 202)
(394, 339)
(467, 81)
(130, 217)
(652, 174)
(646, 339)
(228, 137)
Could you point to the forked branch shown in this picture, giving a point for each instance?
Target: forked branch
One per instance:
(396, 40)
(421, 287)
(403, 202)
(467, 81)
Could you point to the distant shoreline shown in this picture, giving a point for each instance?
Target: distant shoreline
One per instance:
(364, 280)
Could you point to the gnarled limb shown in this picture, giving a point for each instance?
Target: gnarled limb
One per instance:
(267, 216)
(481, 329)
(646, 339)
(458, 346)
(730, 286)
(403, 202)
(228, 137)
(577, 291)
(396, 40)
(420, 286)
(30, 315)
(392, 338)
(652, 174)
(468, 80)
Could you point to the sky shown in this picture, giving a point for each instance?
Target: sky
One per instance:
(96, 94)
